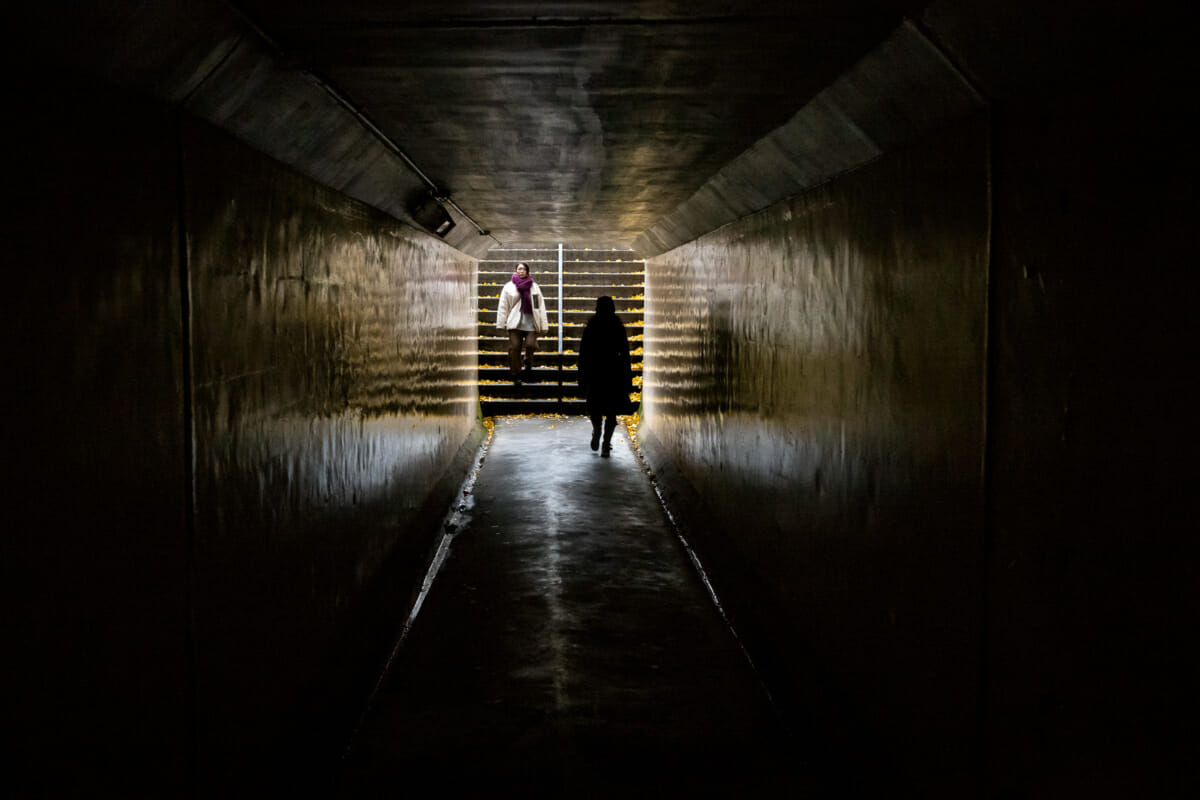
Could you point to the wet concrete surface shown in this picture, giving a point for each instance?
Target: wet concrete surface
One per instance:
(568, 648)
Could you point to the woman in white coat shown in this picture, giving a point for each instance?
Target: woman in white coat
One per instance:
(521, 312)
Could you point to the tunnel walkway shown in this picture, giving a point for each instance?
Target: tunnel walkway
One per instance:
(568, 648)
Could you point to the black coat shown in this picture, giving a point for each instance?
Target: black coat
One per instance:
(605, 370)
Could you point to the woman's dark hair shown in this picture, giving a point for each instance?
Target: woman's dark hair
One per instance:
(605, 305)
(522, 264)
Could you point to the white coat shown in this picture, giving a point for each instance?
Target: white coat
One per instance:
(508, 312)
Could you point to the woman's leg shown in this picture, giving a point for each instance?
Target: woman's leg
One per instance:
(595, 431)
(530, 349)
(514, 353)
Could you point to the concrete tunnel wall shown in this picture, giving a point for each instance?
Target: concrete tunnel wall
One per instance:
(241, 406)
(815, 373)
(921, 422)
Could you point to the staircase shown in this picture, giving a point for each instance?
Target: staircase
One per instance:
(587, 273)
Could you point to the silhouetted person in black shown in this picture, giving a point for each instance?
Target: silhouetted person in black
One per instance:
(605, 372)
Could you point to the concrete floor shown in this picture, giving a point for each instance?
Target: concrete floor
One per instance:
(567, 648)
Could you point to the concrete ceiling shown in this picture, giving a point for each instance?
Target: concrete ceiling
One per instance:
(575, 121)
(584, 121)
(604, 122)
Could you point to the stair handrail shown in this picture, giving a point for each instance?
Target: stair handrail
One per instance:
(560, 324)
(560, 300)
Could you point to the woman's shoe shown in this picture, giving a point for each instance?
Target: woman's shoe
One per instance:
(595, 439)
(605, 450)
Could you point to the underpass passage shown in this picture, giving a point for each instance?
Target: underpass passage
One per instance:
(569, 648)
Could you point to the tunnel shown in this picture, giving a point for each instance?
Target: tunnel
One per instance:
(917, 379)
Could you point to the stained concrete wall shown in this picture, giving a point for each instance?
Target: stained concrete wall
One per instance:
(239, 405)
(815, 381)
(928, 425)
(1092, 683)
(96, 553)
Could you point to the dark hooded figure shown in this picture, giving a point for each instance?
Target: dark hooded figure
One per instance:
(605, 372)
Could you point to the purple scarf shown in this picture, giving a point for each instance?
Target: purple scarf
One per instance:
(523, 286)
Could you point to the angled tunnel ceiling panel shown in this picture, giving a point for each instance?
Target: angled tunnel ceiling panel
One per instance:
(900, 90)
